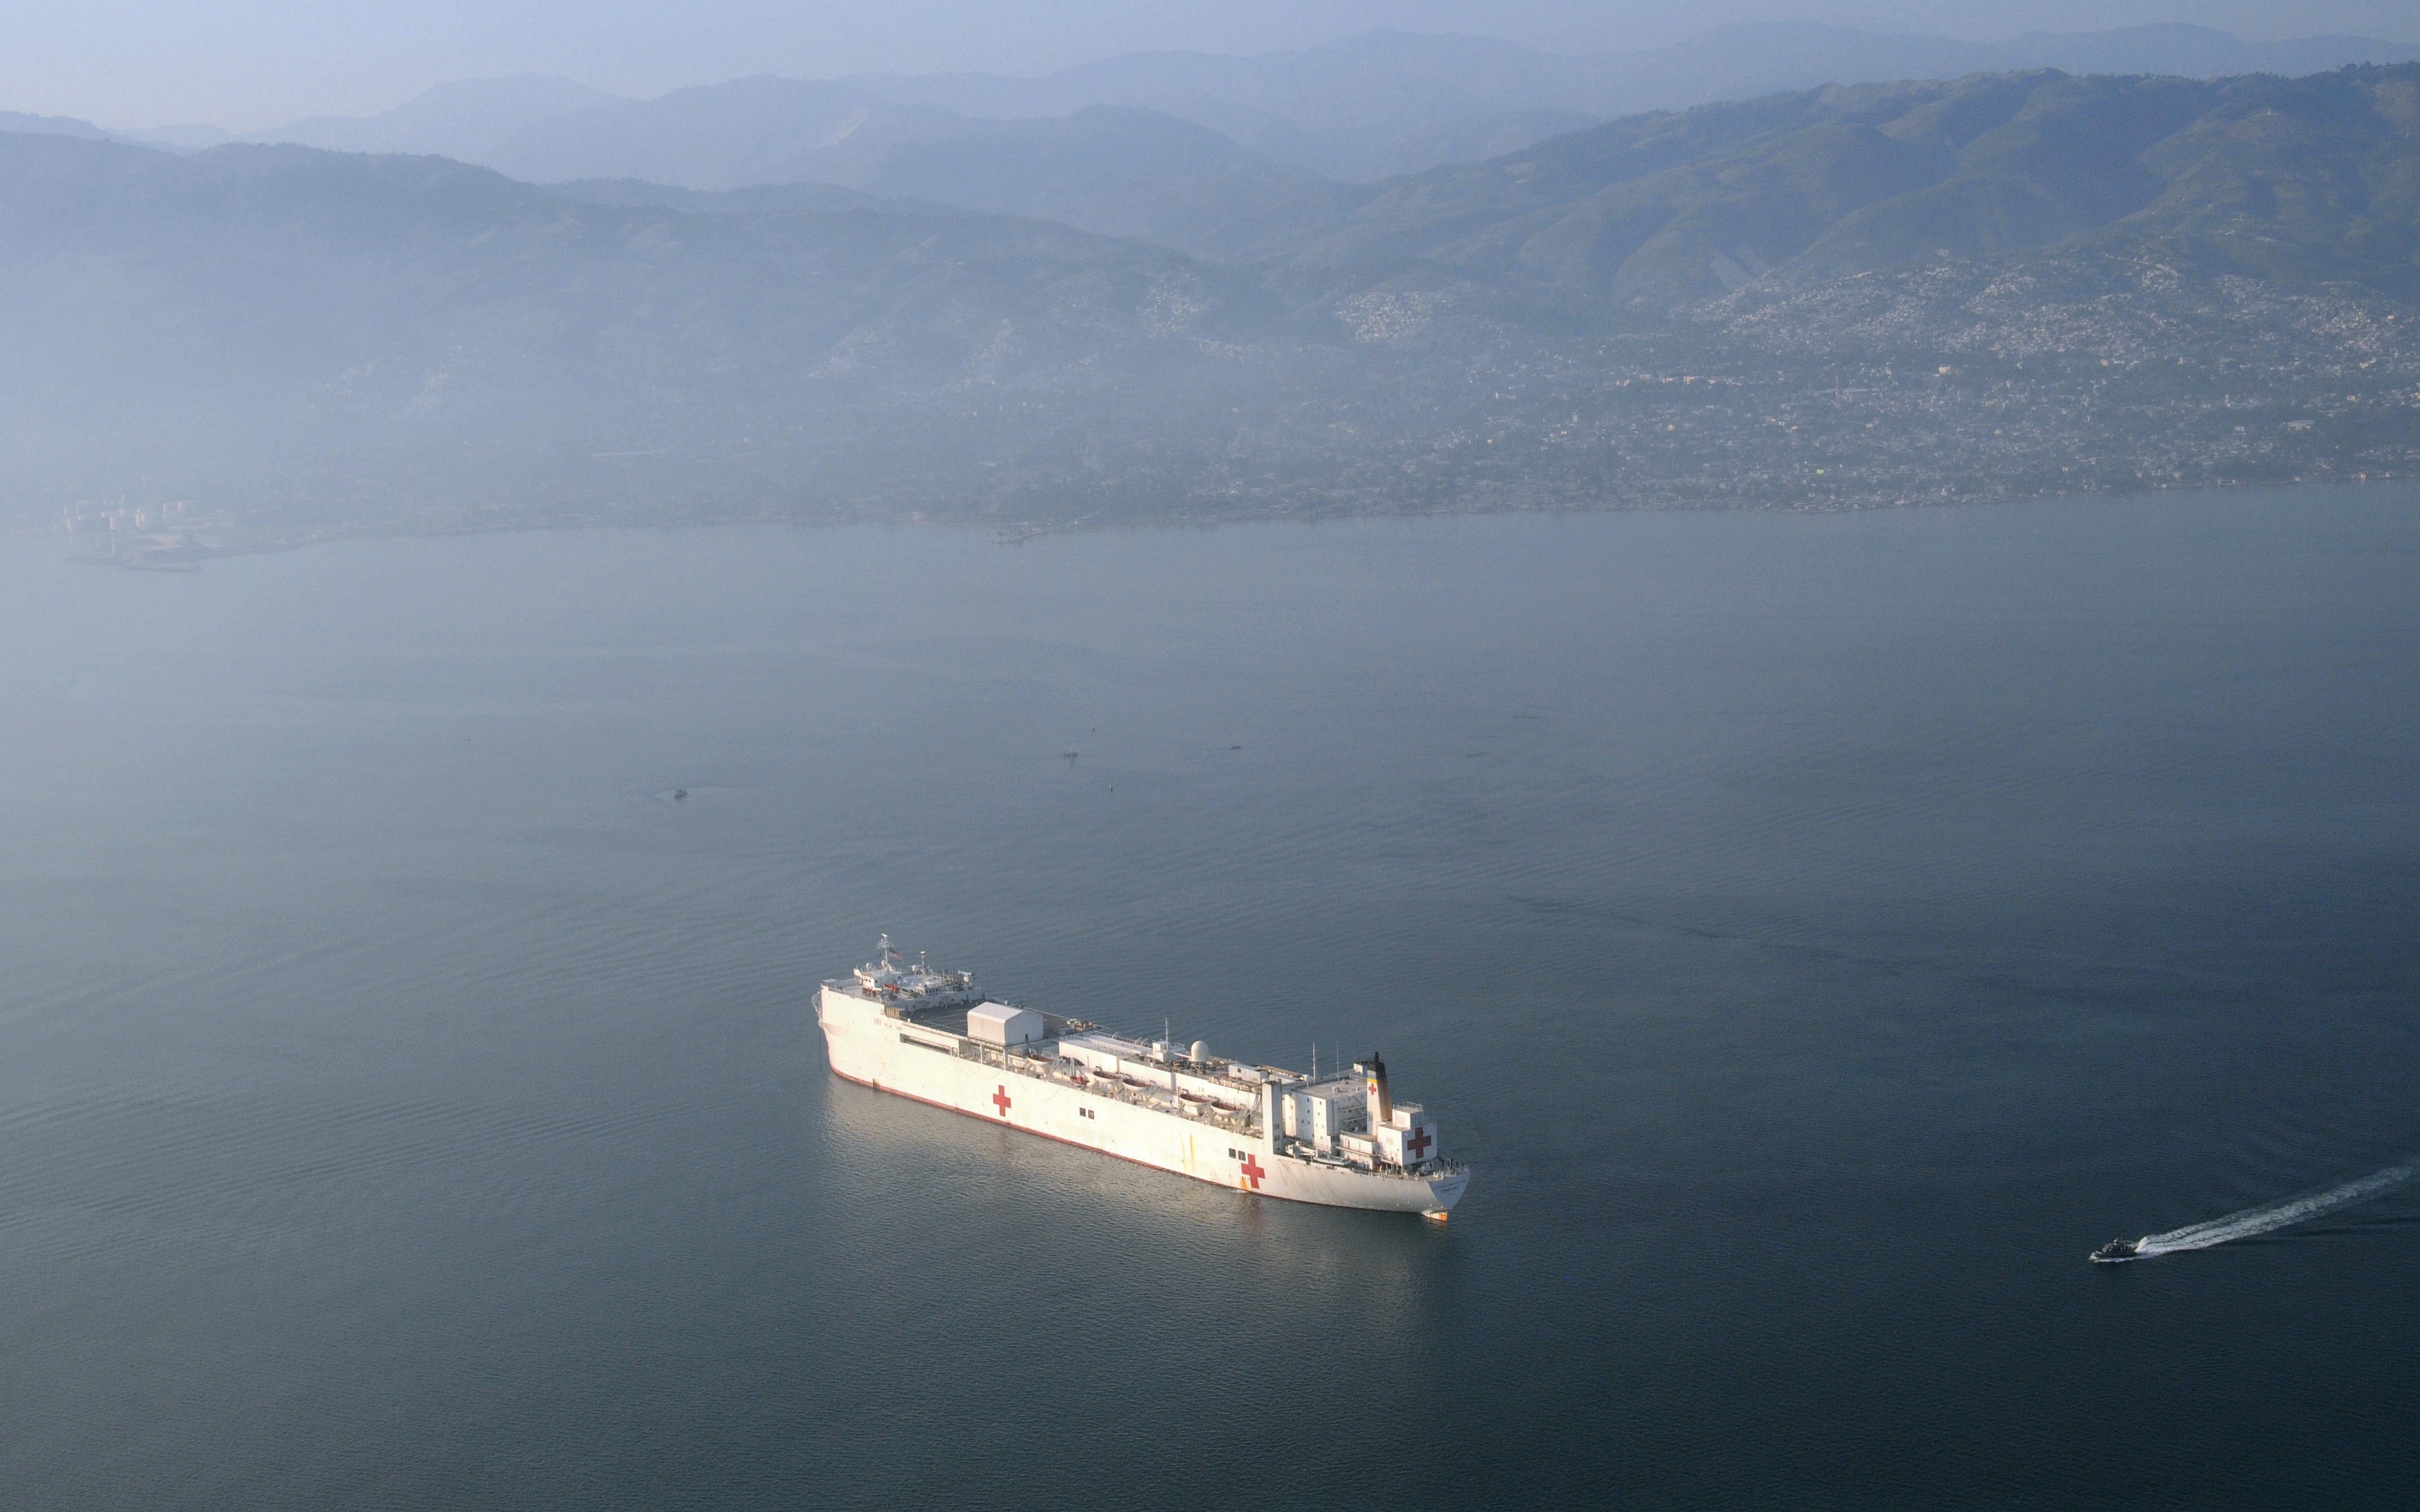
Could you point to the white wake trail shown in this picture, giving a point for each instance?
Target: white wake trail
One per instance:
(2275, 1215)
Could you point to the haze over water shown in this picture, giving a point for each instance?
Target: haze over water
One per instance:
(1818, 932)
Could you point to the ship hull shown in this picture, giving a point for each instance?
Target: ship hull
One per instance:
(867, 1047)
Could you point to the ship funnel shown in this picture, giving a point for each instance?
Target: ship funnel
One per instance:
(1200, 1052)
(1382, 1105)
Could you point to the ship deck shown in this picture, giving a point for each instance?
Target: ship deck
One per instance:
(945, 1021)
(1041, 1061)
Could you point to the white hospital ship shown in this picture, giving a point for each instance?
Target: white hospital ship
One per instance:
(1343, 1141)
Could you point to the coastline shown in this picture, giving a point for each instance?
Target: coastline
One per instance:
(186, 551)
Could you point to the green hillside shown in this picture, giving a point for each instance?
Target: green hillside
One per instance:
(2310, 181)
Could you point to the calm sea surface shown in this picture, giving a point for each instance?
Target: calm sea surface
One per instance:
(1819, 932)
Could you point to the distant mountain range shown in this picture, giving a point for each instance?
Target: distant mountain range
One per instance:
(1390, 102)
(2262, 175)
(300, 329)
(1222, 157)
(12, 120)
(468, 120)
(2012, 281)
(174, 138)
(1362, 109)
(2309, 179)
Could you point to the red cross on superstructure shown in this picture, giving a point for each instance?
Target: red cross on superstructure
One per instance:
(1000, 1100)
(1418, 1144)
(1252, 1172)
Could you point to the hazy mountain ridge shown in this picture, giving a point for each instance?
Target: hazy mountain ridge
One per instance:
(13, 120)
(1104, 167)
(469, 119)
(1121, 172)
(173, 138)
(1342, 108)
(256, 314)
(311, 341)
(2310, 179)
(1360, 109)
(1660, 207)
(758, 131)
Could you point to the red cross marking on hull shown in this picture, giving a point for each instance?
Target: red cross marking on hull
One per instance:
(1253, 1171)
(1419, 1145)
(1000, 1100)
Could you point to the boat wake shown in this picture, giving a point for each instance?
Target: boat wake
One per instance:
(2262, 1220)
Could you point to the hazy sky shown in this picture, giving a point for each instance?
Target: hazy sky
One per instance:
(244, 63)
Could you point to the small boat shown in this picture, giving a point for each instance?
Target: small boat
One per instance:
(2119, 1249)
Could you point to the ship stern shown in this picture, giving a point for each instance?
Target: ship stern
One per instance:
(1445, 1189)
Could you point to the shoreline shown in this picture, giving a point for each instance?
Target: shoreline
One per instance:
(188, 552)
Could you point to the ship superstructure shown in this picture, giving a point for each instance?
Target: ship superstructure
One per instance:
(1340, 1141)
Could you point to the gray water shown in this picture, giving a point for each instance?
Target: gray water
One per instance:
(1819, 932)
